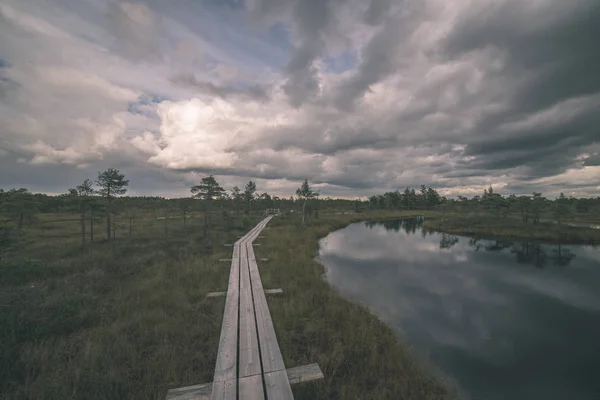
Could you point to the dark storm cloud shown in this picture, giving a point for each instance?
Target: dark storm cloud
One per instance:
(551, 64)
(312, 18)
(331, 138)
(314, 24)
(593, 160)
(252, 92)
(553, 45)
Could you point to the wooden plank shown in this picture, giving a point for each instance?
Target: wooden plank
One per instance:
(216, 294)
(224, 259)
(251, 388)
(226, 365)
(301, 374)
(270, 291)
(271, 354)
(304, 373)
(249, 362)
(225, 390)
(278, 386)
(195, 392)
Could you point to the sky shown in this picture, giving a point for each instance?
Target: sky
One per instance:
(357, 96)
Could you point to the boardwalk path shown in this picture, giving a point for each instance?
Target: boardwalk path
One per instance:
(249, 363)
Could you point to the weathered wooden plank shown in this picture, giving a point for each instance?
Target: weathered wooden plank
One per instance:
(225, 390)
(249, 362)
(226, 365)
(195, 392)
(267, 291)
(251, 388)
(301, 374)
(304, 373)
(278, 386)
(269, 347)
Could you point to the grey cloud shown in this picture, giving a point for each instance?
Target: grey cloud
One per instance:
(314, 24)
(137, 30)
(378, 56)
(550, 44)
(312, 18)
(254, 92)
(549, 58)
(376, 11)
(593, 160)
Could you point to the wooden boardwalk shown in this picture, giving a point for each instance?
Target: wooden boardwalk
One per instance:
(249, 363)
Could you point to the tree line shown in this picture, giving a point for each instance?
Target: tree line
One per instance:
(529, 208)
(105, 197)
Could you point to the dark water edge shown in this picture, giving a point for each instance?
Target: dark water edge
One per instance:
(504, 319)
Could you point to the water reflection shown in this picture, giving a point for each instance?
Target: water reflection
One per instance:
(501, 330)
(409, 225)
(526, 251)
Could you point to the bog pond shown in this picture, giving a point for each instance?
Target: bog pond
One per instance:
(503, 319)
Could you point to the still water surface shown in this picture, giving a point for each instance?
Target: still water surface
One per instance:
(506, 320)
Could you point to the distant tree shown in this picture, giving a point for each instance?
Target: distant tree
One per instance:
(186, 207)
(374, 201)
(494, 202)
(560, 208)
(19, 204)
(94, 205)
(112, 183)
(525, 207)
(249, 193)
(464, 202)
(208, 191)
(266, 200)
(82, 195)
(406, 199)
(317, 203)
(237, 197)
(433, 198)
(305, 193)
(537, 204)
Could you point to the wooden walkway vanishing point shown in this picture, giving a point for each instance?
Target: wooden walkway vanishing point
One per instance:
(249, 363)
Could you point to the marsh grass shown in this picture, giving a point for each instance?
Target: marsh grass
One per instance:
(130, 319)
(125, 320)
